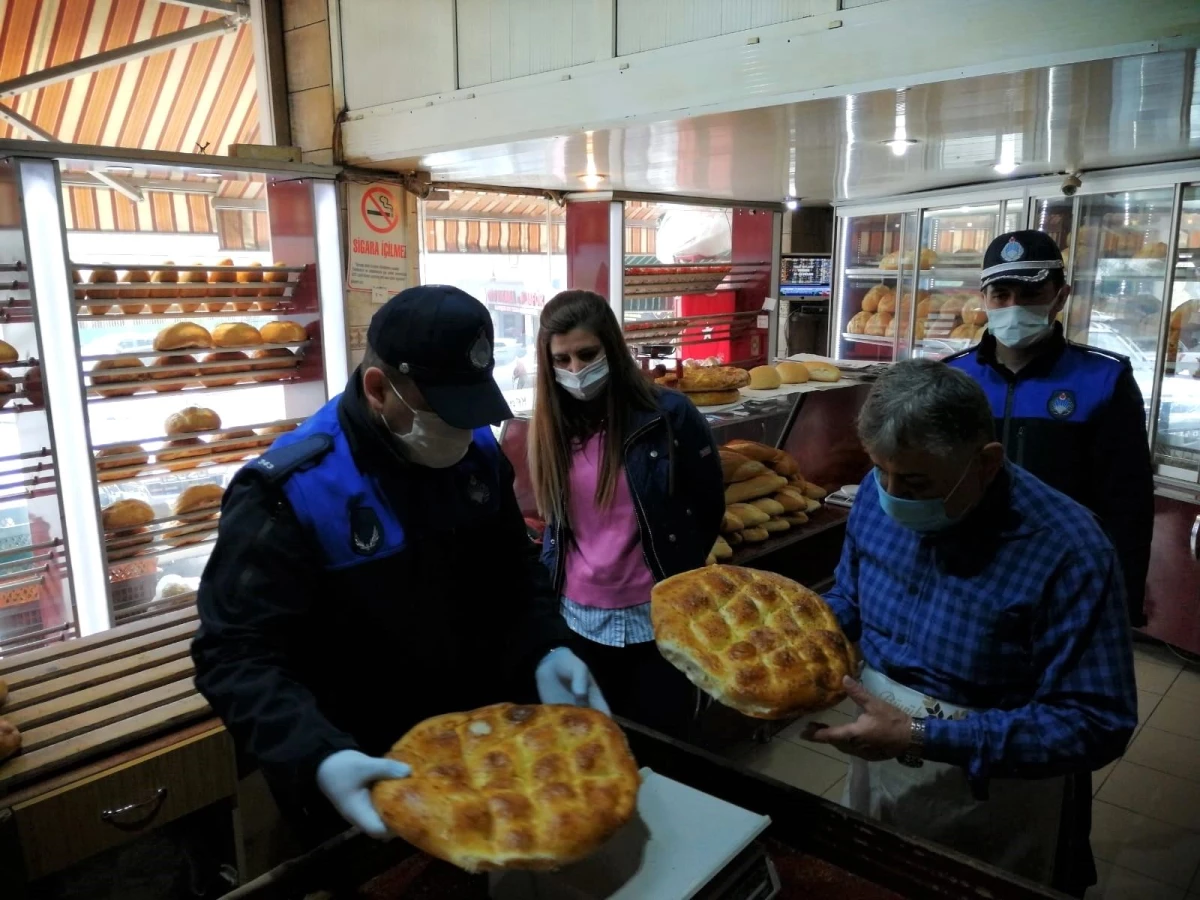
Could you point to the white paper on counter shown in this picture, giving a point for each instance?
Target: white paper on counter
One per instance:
(678, 841)
(840, 363)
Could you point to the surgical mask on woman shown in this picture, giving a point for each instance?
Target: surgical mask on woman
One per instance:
(587, 383)
(431, 441)
(924, 516)
(1020, 326)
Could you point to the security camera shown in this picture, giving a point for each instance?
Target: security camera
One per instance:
(1070, 185)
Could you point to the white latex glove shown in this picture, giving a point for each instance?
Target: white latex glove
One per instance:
(346, 777)
(563, 678)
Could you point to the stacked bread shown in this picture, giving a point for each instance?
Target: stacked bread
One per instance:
(234, 339)
(892, 261)
(765, 378)
(954, 315)
(764, 494)
(196, 511)
(125, 530)
(183, 449)
(708, 385)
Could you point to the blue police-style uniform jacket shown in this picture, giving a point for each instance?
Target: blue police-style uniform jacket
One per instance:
(351, 594)
(1074, 417)
(674, 476)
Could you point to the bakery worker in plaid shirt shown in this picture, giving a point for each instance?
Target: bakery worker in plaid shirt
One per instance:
(990, 613)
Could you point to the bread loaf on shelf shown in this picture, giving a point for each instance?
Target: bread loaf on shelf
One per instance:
(284, 331)
(776, 524)
(764, 378)
(276, 358)
(181, 453)
(730, 523)
(240, 363)
(157, 375)
(823, 371)
(190, 420)
(105, 464)
(126, 514)
(721, 549)
(8, 353)
(767, 505)
(752, 489)
(10, 739)
(220, 277)
(198, 497)
(713, 398)
(195, 277)
(240, 442)
(737, 467)
(236, 334)
(792, 372)
(130, 381)
(183, 336)
(134, 277)
(748, 515)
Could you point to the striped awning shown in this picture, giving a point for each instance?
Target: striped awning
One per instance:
(195, 99)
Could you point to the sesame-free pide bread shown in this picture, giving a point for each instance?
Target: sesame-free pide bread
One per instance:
(511, 787)
(755, 641)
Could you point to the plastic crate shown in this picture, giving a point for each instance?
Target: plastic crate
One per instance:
(133, 585)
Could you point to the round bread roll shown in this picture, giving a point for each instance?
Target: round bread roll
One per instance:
(218, 278)
(126, 514)
(130, 381)
(163, 296)
(277, 359)
(183, 336)
(157, 375)
(963, 333)
(890, 331)
(792, 372)
(10, 739)
(98, 281)
(870, 302)
(8, 353)
(236, 334)
(34, 392)
(858, 323)
(974, 312)
(887, 303)
(282, 428)
(236, 356)
(252, 278)
(130, 292)
(109, 469)
(953, 305)
(890, 262)
(764, 378)
(241, 442)
(284, 331)
(198, 497)
(181, 453)
(127, 543)
(193, 278)
(191, 533)
(467, 767)
(191, 420)
(823, 371)
(713, 398)
(878, 324)
(7, 388)
(753, 640)
(929, 304)
(275, 280)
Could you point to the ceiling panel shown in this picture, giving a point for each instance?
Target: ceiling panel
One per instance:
(1085, 116)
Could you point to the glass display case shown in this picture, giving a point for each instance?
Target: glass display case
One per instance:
(187, 313)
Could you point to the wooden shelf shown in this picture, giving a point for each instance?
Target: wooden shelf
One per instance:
(823, 520)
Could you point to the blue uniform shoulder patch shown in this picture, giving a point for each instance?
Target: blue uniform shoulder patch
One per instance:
(280, 462)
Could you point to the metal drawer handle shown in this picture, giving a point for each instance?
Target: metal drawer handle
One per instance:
(152, 803)
(1195, 540)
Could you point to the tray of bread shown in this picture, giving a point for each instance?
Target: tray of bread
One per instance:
(187, 356)
(170, 290)
(707, 386)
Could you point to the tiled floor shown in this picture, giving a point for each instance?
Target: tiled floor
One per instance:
(1146, 811)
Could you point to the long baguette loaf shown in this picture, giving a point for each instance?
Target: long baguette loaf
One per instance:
(759, 486)
(754, 450)
(749, 516)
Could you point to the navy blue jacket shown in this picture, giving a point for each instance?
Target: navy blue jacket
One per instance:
(674, 476)
(1074, 417)
(351, 594)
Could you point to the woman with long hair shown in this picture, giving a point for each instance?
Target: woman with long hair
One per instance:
(628, 479)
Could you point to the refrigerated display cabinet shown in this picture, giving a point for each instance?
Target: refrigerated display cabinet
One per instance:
(200, 240)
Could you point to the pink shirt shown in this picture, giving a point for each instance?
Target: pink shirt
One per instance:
(605, 568)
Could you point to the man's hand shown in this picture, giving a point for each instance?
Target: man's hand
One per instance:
(563, 678)
(880, 732)
(346, 777)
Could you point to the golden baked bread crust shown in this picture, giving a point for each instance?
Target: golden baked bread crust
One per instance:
(183, 336)
(236, 334)
(713, 398)
(10, 739)
(755, 641)
(511, 787)
(711, 378)
(126, 514)
(190, 420)
(284, 331)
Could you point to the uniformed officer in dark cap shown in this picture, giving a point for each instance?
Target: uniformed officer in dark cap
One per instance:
(1074, 417)
(373, 569)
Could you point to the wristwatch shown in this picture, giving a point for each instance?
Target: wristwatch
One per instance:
(911, 757)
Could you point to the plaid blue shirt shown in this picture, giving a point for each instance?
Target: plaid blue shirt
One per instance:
(1017, 611)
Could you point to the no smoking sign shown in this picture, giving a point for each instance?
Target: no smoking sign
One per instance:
(378, 259)
(379, 209)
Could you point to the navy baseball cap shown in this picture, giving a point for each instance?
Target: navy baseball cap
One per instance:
(1024, 256)
(441, 337)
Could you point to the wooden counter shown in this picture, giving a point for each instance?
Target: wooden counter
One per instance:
(116, 741)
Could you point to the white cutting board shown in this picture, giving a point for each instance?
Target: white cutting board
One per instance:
(678, 841)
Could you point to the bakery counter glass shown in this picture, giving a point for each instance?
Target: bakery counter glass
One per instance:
(817, 849)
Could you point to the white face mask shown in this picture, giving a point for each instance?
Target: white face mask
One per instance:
(1019, 326)
(431, 442)
(588, 382)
